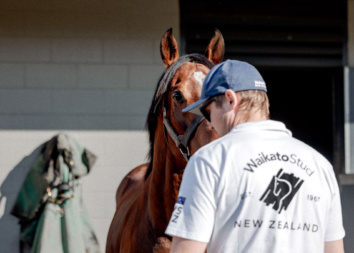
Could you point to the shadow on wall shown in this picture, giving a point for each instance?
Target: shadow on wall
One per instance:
(9, 226)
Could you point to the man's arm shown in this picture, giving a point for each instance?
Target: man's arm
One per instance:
(181, 245)
(334, 246)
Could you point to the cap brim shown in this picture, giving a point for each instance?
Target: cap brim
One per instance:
(194, 108)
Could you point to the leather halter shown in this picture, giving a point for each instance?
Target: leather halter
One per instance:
(182, 141)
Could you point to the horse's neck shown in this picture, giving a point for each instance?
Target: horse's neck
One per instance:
(165, 180)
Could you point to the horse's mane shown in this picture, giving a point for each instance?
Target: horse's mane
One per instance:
(161, 92)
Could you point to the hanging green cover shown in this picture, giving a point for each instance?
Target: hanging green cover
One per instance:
(50, 206)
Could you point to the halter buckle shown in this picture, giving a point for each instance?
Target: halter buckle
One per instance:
(186, 155)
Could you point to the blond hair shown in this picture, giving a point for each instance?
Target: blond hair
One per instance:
(251, 100)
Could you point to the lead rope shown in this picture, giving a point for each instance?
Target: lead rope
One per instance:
(65, 189)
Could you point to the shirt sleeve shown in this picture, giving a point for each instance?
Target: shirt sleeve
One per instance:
(194, 212)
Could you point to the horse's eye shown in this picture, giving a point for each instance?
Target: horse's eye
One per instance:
(178, 97)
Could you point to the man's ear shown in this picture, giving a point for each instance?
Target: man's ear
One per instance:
(232, 100)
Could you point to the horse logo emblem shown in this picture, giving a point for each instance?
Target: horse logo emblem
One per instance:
(281, 190)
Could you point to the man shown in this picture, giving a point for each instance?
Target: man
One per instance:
(255, 189)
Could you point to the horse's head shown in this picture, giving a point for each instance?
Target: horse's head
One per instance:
(179, 87)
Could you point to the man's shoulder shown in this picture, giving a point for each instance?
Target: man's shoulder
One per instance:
(218, 148)
(216, 144)
(306, 147)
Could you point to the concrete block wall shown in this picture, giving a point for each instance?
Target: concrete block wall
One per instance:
(87, 68)
(86, 64)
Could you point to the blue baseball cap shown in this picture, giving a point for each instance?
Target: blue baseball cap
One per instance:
(231, 74)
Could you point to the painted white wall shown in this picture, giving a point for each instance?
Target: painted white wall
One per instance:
(117, 153)
(87, 68)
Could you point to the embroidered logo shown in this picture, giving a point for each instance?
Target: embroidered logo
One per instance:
(259, 84)
(178, 209)
(181, 200)
(281, 190)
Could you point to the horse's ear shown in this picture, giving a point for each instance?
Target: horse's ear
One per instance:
(168, 48)
(216, 48)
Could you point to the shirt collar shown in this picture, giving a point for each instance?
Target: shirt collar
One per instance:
(269, 125)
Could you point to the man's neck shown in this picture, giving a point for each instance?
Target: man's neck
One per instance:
(250, 116)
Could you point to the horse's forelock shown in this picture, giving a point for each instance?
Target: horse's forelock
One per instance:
(160, 96)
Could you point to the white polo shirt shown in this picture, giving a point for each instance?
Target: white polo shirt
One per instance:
(258, 189)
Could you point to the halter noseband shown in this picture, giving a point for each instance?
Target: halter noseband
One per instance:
(182, 141)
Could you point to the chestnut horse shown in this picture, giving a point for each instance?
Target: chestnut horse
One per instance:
(147, 195)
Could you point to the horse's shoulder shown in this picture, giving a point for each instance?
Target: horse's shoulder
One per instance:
(131, 180)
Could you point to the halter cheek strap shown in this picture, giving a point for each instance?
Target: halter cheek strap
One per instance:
(182, 141)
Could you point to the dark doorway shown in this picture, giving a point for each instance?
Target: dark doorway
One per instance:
(298, 46)
(302, 99)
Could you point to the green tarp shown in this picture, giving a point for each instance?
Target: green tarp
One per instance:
(50, 205)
